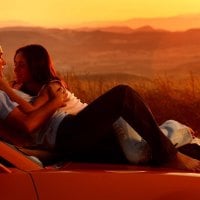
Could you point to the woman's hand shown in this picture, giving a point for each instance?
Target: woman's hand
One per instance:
(57, 92)
(61, 96)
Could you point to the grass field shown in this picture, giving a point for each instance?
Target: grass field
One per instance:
(167, 97)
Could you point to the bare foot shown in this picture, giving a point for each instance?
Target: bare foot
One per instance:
(184, 162)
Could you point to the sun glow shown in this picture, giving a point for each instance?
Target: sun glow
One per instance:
(60, 13)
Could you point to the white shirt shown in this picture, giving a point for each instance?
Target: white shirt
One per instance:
(47, 134)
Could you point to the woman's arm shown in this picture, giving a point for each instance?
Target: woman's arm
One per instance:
(46, 93)
(40, 100)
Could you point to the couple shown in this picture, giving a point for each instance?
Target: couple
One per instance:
(84, 133)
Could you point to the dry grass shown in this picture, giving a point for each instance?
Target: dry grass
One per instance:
(168, 98)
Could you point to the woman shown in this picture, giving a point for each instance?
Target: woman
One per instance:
(88, 135)
(37, 60)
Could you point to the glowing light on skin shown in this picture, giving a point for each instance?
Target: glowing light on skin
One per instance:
(1, 51)
(2, 62)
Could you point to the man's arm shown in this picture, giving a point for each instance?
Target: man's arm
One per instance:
(26, 106)
(30, 122)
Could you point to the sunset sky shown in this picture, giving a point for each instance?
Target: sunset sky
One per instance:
(60, 13)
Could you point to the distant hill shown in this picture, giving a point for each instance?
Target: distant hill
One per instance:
(141, 51)
(119, 29)
(173, 23)
(113, 29)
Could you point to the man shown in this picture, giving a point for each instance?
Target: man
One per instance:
(2, 62)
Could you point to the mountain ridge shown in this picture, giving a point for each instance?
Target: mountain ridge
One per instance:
(171, 23)
(143, 51)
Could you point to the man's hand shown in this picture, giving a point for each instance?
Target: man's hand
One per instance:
(4, 85)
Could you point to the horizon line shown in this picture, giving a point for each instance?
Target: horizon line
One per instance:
(171, 23)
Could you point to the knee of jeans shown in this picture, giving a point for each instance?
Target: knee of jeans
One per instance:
(124, 88)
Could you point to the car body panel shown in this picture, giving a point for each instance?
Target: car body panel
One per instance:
(28, 180)
(78, 181)
(17, 185)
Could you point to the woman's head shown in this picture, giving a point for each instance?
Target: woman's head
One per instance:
(33, 63)
(33, 68)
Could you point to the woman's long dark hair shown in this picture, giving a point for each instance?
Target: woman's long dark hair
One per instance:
(39, 63)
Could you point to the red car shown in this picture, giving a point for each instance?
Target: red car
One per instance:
(27, 179)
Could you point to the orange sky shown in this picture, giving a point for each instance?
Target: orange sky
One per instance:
(59, 13)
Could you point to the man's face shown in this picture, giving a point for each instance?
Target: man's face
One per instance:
(2, 62)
